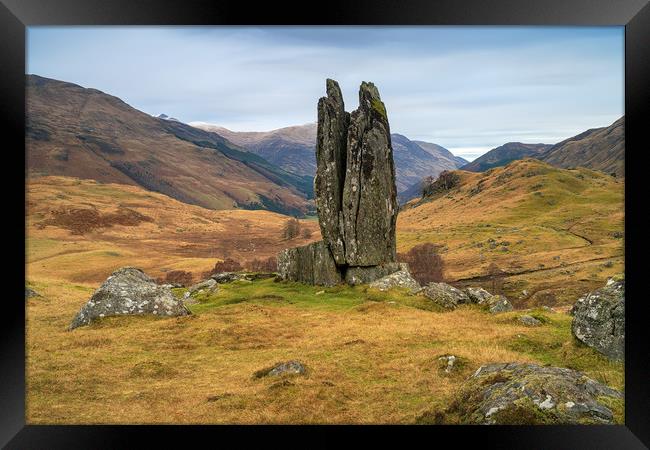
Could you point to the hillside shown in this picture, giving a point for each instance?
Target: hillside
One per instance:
(85, 133)
(555, 233)
(599, 149)
(294, 149)
(504, 154)
(81, 230)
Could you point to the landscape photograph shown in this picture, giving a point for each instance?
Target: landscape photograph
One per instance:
(418, 225)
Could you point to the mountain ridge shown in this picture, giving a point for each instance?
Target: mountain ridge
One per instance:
(293, 148)
(89, 134)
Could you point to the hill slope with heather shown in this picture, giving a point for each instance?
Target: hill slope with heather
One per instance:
(553, 232)
(85, 133)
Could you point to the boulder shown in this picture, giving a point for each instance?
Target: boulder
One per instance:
(289, 368)
(312, 264)
(400, 279)
(599, 320)
(529, 321)
(363, 275)
(225, 277)
(498, 304)
(477, 295)
(129, 291)
(209, 285)
(528, 394)
(445, 295)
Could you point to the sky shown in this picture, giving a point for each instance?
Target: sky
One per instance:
(467, 88)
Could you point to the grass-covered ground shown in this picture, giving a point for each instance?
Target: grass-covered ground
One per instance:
(372, 357)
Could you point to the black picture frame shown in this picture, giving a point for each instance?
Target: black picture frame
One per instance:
(16, 15)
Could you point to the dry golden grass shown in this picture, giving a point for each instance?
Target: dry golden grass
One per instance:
(180, 236)
(371, 357)
(368, 361)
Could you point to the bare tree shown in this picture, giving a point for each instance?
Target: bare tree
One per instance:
(291, 229)
(495, 275)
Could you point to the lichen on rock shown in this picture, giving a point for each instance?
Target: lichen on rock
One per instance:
(599, 320)
(355, 195)
(528, 394)
(129, 291)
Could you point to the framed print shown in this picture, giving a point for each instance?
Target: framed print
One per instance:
(403, 218)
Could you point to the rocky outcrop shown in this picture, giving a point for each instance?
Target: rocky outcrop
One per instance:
(498, 304)
(599, 320)
(400, 279)
(129, 291)
(311, 264)
(355, 193)
(518, 393)
(477, 295)
(445, 295)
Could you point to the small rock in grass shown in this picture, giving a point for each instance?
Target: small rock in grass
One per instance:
(529, 321)
(290, 368)
(498, 304)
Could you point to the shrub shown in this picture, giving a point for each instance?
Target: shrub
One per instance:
(269, 264)
(227, 265)
(425, 263)
(496, 276)
(181, 277)
(306, 233)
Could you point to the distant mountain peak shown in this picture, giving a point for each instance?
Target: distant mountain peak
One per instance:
(166, 117)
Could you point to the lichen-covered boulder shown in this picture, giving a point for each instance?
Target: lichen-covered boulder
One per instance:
(477, 295)
(498, 304)
(528, 394)
(311, 264)
(599, 320)
(400, 279)
(445, 295)
(369, 192)
(129, 291)
(363, 275)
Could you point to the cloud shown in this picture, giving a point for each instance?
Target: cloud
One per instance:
(460, 87)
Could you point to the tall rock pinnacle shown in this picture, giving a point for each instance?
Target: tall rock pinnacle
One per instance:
(355, 195)
(369, 192)
(330, 174)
